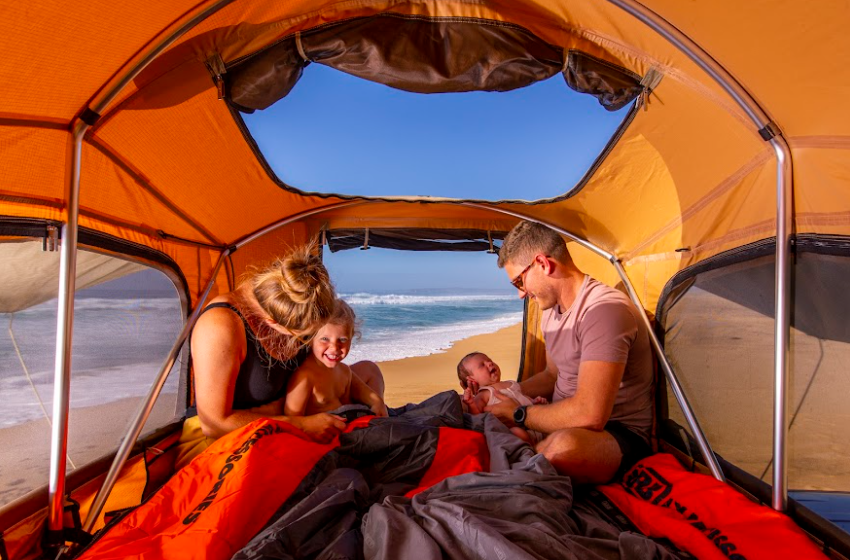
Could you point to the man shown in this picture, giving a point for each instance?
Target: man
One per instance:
(598, 371)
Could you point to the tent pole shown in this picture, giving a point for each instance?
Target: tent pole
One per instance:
(782, 324)
(301, 215)
(68, 265)
(769, 131)
(64, 329)
(678, 391)
(146, 405)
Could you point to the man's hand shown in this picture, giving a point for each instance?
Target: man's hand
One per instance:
(322, 427)
(504, 411)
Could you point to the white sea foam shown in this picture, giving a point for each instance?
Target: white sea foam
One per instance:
(384, 345)
(411, 299)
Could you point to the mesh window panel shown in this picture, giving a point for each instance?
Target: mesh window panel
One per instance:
(123, 331)
(718, 329)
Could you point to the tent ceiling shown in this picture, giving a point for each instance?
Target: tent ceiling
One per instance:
(689, 174)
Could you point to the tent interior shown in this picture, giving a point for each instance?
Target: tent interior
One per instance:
(145, 116)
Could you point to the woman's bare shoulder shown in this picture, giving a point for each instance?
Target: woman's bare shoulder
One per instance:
(219, 323)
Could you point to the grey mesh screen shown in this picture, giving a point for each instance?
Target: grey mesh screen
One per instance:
(123, 331)
(718, 331)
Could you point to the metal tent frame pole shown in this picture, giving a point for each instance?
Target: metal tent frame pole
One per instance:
(68, 262)
(770, 132)
(146, 405)
(678, 391)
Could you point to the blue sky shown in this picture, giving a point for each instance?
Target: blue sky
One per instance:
(338, 133)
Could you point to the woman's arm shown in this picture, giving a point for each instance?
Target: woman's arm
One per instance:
(218, 349)
(362, 393)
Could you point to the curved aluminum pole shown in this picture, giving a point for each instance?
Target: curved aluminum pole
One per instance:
(147, 405)
(584, 243)
(678, 391)
(64, 330)
(784, 223)
(151, 52)
(271, 227)
(67, 276)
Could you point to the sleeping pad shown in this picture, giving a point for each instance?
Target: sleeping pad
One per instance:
(429, 482)
(704, 516)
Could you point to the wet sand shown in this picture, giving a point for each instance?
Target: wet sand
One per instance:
(92, 433)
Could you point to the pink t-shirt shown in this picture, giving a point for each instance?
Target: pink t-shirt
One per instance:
(603, 325)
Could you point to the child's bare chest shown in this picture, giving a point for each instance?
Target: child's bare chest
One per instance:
(329, 394)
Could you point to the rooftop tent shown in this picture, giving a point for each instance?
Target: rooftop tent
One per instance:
(168, 168)
(690, 172)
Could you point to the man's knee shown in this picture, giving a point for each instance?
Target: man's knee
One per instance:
(585, 455)
(562, 442)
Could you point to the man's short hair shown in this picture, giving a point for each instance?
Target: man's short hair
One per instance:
(462, 372)
(527, 239)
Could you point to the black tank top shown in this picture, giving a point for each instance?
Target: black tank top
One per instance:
(262, 379)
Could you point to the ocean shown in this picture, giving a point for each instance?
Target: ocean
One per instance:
(120, 344)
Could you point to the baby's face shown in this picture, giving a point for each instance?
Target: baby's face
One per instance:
(483, 370)
(332, 344)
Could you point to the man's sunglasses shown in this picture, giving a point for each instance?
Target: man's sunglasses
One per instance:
(517, 281)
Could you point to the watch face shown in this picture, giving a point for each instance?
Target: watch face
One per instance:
(519, 417)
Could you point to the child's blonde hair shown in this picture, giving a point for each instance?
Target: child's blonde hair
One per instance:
(344, 316)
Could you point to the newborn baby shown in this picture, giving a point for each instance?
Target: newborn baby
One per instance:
(478, 376)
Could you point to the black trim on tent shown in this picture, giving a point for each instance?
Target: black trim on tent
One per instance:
(11, 226)
(816, 307)
(413, 239)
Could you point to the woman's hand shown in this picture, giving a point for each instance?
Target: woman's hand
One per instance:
(322, 427)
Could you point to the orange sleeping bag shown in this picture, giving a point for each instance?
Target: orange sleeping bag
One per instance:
(704, 516)
(208, 510)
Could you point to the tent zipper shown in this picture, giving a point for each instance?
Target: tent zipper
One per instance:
(216, 67)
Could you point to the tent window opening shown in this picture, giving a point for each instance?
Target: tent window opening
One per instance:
(126, 319)
(533, 129)
(718, 334)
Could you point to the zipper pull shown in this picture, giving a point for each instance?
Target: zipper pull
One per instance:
(216, 66)
(51, 239)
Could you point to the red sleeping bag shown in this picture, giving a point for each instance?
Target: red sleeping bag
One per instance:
(703, 516)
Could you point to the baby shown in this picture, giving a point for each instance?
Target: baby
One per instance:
(323, 383)
(476, 368)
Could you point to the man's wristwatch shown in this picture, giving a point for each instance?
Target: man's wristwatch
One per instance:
(520, 414)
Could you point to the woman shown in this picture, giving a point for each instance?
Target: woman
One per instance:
(246, 344)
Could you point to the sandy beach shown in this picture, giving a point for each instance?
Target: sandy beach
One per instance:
(416, 379)
(92, 433)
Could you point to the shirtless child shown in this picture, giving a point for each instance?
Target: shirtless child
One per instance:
(480, 378)
(323, 383)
